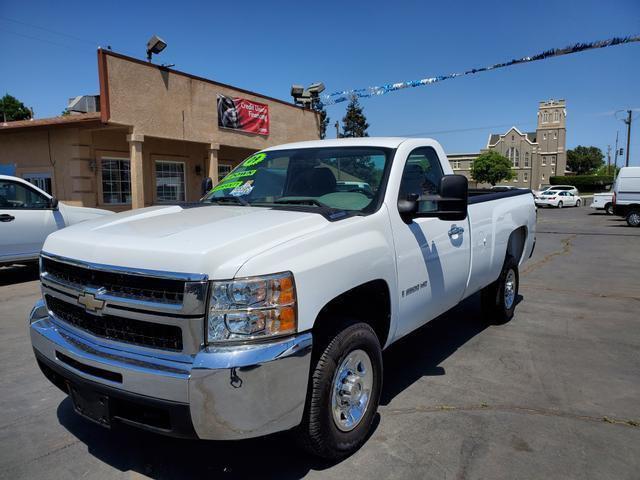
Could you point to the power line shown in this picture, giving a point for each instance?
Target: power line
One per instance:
(51, 42)
(468, 129)
(55, 32)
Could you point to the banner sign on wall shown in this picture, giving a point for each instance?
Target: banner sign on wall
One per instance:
(242, 114)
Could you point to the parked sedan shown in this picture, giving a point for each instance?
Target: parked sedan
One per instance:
(557, 198)
(28, 215)
(564, 188)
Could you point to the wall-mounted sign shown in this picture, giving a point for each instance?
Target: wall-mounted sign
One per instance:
(242, 114)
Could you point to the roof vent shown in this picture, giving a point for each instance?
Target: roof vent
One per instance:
(84, 104)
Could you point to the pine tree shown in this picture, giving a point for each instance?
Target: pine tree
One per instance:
(354, 123)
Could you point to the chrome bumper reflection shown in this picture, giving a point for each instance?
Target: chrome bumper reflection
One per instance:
(232, 392)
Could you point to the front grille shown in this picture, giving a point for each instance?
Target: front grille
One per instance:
(119, 284)
(137, 332)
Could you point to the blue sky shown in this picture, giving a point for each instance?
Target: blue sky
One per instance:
(267, 46)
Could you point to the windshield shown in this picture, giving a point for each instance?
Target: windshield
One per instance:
(341, 178)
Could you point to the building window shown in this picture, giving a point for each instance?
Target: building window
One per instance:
(224, 169)
(116, 181)
(553, 171)
(513, 137)
(555, 135)
(526, 159)
(545, 117)
(525, 176)
(553, 159)
(169, 181)
(556, 116)
(544, 160)
(40, 180)
(516, 158)
(542, 177)
(544, 136)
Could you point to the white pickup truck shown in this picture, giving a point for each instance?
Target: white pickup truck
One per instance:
(266, 306)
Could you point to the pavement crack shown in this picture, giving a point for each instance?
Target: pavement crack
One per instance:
(566, 248)
(633, 423)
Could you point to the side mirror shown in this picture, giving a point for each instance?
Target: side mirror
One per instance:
(53, 203)
(449, 204)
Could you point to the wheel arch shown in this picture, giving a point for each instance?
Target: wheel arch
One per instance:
(369, 303)
(516, 243)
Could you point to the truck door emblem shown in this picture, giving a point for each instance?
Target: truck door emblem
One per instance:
(90, 302)
(414, 289)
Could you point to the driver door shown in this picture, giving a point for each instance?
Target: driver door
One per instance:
(433, 255)
(26, 219)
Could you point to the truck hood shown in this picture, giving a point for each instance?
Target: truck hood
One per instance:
(211, 239)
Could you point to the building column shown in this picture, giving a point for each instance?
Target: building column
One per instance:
(212, 170)
(137, 169)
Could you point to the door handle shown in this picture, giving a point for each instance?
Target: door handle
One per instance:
(7, 218)
(455, 230)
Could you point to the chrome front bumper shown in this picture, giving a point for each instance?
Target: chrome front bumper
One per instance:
(231, 392)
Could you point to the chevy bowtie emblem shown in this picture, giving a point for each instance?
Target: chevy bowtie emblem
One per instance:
(90, 302)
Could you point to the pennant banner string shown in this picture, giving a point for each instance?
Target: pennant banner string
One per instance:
(343, 96)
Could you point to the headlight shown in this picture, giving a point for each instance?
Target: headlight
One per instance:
(252, 308)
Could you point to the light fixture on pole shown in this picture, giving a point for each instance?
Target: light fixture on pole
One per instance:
(307, 97)
(154, 46)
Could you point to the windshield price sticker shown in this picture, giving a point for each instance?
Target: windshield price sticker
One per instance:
(254, 159)
(246, 173)
(226, 186)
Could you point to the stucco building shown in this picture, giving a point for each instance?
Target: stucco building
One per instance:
(155, 135)
(536, 156)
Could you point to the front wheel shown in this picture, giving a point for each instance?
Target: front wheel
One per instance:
(560, 204)
(633, 218)
(344, 391)
(499, 298)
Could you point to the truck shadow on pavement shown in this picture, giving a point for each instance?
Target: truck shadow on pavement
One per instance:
(18, 274)
(275, 456)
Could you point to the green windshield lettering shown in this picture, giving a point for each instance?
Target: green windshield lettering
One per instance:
(226, 186)
(254, 159)
(246, 173)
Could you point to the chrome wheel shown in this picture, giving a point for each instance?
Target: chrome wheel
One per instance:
(352, 386)
(509, 289)
(634, 219)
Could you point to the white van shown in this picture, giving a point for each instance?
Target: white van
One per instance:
(626, 195)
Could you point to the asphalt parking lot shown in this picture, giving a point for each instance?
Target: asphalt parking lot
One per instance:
(555, 393)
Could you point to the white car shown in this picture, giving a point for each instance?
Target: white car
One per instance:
(626, 195)
(564, 188)
(557, 198)
(603, 201)
(28, 215)
(267, 306)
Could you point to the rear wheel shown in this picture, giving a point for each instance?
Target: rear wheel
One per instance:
(608, 208)
(560, 204)
(499, 298)
(344, 391)
(578, 203)
(633, 218)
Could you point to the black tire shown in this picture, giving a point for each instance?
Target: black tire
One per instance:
(633, 218)
(494, 305)
(608, 208)
(578, 203)
(319, 433)
(560, 204)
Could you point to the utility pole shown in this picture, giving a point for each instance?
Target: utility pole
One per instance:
(628, 122)
(615, 157)
(337, 125)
